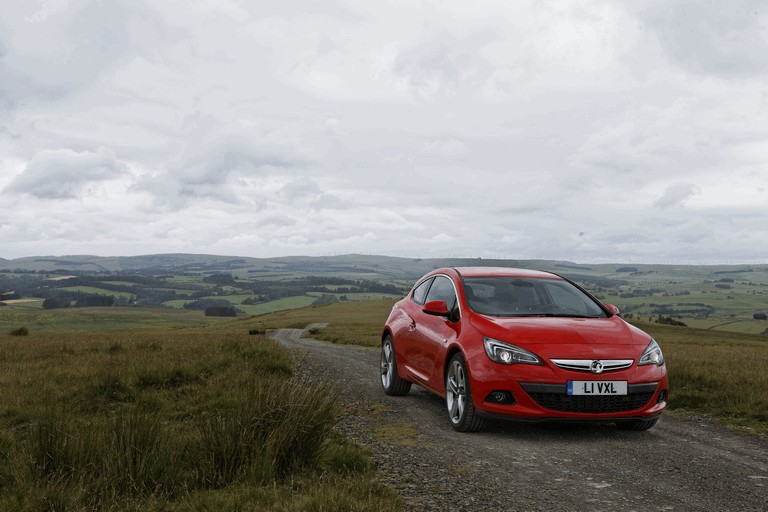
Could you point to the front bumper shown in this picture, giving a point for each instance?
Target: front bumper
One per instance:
(536, 393)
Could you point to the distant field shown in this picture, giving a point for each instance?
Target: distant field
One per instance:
(27, 302)
(97, 291)
(101, 319)
(716, 297)
(277, 305)
(363, 296)
(723, 302)
(178, 303)
(299, 301)
(744, 326)
(355, 323)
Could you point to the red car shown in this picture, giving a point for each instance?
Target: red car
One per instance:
(524, 345)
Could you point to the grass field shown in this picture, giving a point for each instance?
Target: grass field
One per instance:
(100, 319)
(295, 302)
(97, 291)
(722, 374)
(299, 301)
(717, 297)
(166, 409)
(702, 304)
(277, 305)
(355, 323)
(172, 419)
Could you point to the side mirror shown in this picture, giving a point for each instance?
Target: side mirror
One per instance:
(613, 309)
(440, 308)
(436, 308)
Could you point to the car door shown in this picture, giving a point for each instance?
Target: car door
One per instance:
(408, 338)
(434, 334)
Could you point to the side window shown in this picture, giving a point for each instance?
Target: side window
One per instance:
(420, 293)
(442, 289)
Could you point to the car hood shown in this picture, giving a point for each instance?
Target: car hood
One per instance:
(562, 333)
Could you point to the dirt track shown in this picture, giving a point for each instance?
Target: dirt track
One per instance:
(680, 464)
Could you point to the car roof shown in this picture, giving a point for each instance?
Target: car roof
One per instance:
(503, 272)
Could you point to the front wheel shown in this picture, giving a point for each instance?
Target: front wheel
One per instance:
(458, 398)
(391, 382)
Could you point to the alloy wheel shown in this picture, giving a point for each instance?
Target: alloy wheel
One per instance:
(386, 365)
(456, 394)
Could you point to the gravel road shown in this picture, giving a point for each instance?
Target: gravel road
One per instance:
(681, 464)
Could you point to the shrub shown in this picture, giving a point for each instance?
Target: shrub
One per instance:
(21, 331)
(279, 429)
(108, 391)
(56, 302)
(326, 298)
(169, 379)
(221, 311)
(204, 304)
(668, 320)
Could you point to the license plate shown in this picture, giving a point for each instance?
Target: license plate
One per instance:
(597, 387)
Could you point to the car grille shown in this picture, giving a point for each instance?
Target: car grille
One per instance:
(585, 365)
(555, 398)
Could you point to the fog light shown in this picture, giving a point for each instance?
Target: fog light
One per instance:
(662, 397)
(500, 397)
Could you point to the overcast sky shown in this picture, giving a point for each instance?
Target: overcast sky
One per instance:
(589, 131)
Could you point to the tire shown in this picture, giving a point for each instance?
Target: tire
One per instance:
(391, 382)
(637, 425)
(458, 398)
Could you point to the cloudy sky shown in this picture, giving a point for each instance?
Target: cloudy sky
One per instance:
(589, 131)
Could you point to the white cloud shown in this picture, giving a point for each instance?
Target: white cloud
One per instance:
(676, 195)
(524, 129)
(63, 173)
(720, 39)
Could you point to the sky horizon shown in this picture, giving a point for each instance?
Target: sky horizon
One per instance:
(671, 262)
(590, 132)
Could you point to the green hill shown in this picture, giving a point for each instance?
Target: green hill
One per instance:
(720, 297)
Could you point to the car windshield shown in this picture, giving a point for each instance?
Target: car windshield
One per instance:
(519, 296)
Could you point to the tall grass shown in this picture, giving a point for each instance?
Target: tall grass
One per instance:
(130, 454)
(278, 430)
(185, 419)
(721, 374)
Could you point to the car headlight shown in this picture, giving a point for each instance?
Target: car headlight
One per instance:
(651, 355)
(505, 353)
